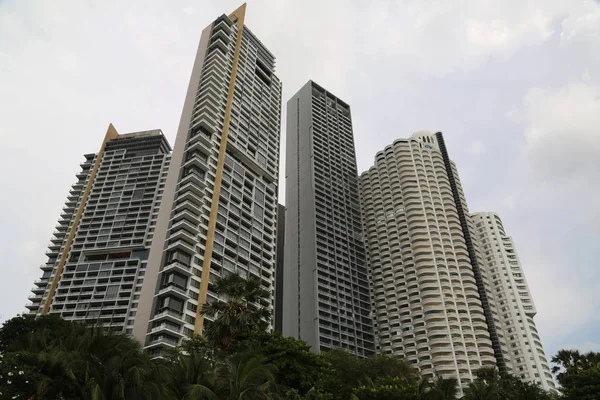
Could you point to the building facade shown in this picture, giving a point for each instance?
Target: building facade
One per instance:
(513, 299)
(219, 210)
(431, 296)
(97, 258)
(325, 288)
(279, 269)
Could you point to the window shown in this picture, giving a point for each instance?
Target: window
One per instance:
(112, 291)
(258, 212)
(259, 197)
(137, 194)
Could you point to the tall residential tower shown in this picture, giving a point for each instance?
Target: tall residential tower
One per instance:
(98, 256)
(513, 298)
(219, 210)
(326, 291)
(430, 293)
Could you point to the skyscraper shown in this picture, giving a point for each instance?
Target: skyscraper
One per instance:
(279, 269)
(326, 291)
(515, 305)
(97, 258)
(219, 209)
(431, 296)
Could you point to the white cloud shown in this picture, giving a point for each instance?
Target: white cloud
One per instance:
(584, 347)
(562, 136)
(582, 25)
(435, 38)
(558, 188)
(565, 303)
(509, 202)
(476, 148)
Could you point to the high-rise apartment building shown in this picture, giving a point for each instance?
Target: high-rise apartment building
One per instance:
(97, 258)
(279, 268)
(219, 211)
(431, 295)
(326, 290)
(513, 299)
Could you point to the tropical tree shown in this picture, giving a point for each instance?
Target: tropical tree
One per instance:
(385, 388)
(59, 359)
(240, 313)
(492, 385)
(112, 366)
(298, 368)
(578, 374)
(441, 389)
(190, 370)
(347, 372)
(245, 377)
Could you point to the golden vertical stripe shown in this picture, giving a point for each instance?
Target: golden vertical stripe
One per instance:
(240, 13)
(111, 134)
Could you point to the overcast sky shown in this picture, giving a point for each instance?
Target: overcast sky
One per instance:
(513, 84)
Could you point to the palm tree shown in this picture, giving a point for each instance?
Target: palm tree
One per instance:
(92, 363)
(244, 377)
(439, 389)
(116, 368)
(444, 389)
(190, 371)
(239, 314)
(479, 390)
(485, 387)
(569, 360)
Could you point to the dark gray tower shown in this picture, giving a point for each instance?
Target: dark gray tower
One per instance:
(279, 268)
(326, 292)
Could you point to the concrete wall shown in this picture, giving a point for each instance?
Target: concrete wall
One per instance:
(146, 304)
(279, 268)
(299, 286)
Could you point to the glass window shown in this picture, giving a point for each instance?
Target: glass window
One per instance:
(112, 291)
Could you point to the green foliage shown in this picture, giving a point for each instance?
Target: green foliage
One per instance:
(49, 358)
(578, 374)
(386, 388)
(347, 371)
(492, 385)
(246, 377)
(297, 367)
(238, 316)
(188, 370)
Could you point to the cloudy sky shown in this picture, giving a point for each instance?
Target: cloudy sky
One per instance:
(513, 84)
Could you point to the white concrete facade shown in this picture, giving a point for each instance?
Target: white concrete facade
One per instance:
(219, 211)
(513, 298)
(425, 291)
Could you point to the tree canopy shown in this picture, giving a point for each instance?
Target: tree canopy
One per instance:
(50, 358)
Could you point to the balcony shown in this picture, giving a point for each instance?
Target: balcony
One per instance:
(178, 267)
(193, 177)
(162, 341)
(187, 205)
(35, 298)
(183, 234)
(170, 315)
(37, 289)
(191, 197)
(173, 291)
(41, 282)
(198, 161)
(187, 185)
(186, 215)
(181, 245)
(169, 328)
